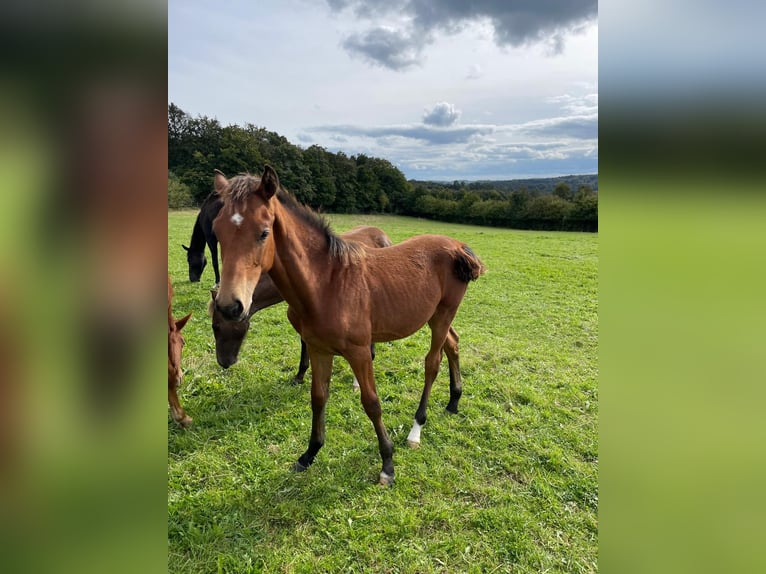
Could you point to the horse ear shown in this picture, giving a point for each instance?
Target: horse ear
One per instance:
(185, 248)
(182, 321)
(220, 182)
(269, 182)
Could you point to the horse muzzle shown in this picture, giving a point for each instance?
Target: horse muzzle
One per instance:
(233, 312)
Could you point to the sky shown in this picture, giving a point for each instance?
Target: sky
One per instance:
(443, 89)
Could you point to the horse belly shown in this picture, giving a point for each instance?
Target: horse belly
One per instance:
(400, 316)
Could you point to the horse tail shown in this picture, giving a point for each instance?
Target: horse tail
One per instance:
(468, 266)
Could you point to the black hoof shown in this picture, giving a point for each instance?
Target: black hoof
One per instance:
(298, 467)
(452, 409)
(296, 381)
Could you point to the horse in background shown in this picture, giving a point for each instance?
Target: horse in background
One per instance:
(229, 334)
(202, 234)
(341, 296)
(175, 346)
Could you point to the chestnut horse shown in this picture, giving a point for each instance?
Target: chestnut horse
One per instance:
(341, 296)
(175, 345)
(229, 334)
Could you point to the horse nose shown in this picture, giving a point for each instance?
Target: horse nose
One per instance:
(226, 362)
(233, 311)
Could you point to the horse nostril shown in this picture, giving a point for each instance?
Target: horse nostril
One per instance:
(233, 311)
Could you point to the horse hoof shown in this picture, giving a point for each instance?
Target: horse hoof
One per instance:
(298, 467)
(386, 480)
(452, 409)
(185, 422)
(296, 381)
(413, 444)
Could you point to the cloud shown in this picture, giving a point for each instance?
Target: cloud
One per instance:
(514, 23)
(442, 114)
(421, 132)
(583, 127)
(474, 72)
(384, 46)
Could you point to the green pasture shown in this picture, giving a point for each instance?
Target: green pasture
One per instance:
(507, 485)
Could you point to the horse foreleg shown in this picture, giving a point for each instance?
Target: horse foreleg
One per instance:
(213, 246)
(361, 364)
(303, 365)
(440, 324)
(453, 359)
(321, 369)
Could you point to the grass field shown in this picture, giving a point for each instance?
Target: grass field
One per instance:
(507, 485)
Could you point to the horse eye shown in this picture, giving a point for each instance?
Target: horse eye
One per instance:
(264, 235)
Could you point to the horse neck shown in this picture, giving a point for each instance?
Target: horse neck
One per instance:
(197, 243)
(300, 260)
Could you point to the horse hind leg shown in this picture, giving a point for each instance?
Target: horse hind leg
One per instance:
(440, 325)
(355, 386)
(303, 365)
(451, 349)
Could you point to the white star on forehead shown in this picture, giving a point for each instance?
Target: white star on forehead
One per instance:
(237, 219)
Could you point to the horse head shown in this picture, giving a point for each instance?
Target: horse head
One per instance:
(244, 231)
(197, 262)
(175, 346)
(228, 334)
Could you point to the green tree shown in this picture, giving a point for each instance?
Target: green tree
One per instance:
(563, 191)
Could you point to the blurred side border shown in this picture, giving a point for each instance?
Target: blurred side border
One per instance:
(83, 231)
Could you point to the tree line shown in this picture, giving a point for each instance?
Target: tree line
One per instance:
(338, 183)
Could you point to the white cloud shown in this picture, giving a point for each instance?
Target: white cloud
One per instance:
(442, 114)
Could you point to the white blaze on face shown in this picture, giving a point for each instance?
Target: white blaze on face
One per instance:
(237, 219)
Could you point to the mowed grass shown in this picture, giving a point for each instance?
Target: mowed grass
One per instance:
(507, 485)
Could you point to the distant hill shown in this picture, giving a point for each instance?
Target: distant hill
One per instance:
(538, 185)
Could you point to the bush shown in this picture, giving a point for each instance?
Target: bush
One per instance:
(179, 194)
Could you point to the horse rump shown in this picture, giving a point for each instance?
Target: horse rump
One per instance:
(468, 266)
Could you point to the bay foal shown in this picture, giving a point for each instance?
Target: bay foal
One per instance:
(341, 296)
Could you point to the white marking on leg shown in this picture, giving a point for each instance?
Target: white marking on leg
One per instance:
(413, 439)
(385, 479)
(237, 219)
(356, 384)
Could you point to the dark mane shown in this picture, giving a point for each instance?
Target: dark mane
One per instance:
(340, 249)
(242, 185)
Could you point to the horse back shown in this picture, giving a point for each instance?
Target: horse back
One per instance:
(408, 281)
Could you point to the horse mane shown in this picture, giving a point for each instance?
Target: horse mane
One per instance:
(240, 187)
(243, 185)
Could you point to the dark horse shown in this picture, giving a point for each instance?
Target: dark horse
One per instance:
(229, 334)
(203, 234)
(341, 296)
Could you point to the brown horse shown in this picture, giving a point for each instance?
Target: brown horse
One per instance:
(341, 296)
(229, 334)
(175, 346)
